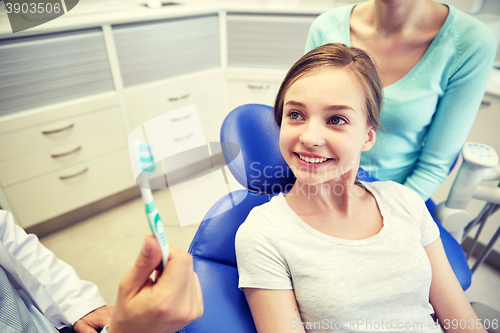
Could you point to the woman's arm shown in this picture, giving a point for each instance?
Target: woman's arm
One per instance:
(452, 308)
(455, 111)
(274, 311)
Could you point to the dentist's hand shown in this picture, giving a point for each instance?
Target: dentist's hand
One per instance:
(165, 305)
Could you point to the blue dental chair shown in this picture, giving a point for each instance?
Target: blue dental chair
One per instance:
(263, 171)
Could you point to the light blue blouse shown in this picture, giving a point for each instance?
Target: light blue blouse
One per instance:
(428, 113)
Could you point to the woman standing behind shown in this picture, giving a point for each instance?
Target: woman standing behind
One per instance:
(434, 62)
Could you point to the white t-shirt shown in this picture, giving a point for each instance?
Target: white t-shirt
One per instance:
(376, 284)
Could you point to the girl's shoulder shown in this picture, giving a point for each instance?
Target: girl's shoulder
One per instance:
(404, 203)
(388, 188)
(394, 196)
(266, 216)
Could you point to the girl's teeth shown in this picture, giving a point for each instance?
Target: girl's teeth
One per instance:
(312, 160)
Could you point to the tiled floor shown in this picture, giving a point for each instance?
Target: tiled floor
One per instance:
(102, 248)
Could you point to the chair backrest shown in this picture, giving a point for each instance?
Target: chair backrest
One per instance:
(252, 128)
(262, 169)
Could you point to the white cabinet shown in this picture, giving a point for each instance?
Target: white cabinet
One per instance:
(59, 158)
(58, 109)
(59, 153)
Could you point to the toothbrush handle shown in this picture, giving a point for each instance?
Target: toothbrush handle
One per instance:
(156, 225)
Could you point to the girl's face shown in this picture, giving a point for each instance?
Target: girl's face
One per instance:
(324, 127)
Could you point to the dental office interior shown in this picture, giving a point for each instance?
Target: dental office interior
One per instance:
(74, 90)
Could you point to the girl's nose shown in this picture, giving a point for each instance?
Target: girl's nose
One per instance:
(312, 135)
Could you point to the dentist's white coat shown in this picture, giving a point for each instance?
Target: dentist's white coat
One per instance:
(38, 275)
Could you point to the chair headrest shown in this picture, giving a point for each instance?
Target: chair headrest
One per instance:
(261, 167)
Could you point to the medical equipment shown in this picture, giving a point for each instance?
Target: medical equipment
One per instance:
(146, 165)
(480, 163)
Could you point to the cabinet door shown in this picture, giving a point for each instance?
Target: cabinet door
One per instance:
(158, 50)
(46, 69)
(266, 41)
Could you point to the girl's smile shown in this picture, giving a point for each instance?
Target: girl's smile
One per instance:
(311, 161)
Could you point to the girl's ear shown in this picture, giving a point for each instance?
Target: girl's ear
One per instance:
(371, 137)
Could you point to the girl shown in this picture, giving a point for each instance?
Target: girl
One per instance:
(434, 62)
(335, 254)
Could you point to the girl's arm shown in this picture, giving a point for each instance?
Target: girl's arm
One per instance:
(274, 311)
(452, 308)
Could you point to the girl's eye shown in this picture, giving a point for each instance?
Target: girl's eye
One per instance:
(336, 121)
(294, 115)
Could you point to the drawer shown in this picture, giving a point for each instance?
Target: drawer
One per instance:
(60, 156)
(54, 112)
(245, 92)
(48, 196)
(173, 124)
(204, 90)
(49, 134)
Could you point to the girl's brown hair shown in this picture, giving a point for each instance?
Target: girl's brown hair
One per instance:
(352, 59)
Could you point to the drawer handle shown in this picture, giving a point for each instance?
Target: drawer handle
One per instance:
(58, 129)
(173, 99)
(181, 118)
(74, 175)
(485, 103)
(74, 150)
(184, 137)
(258, 87)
